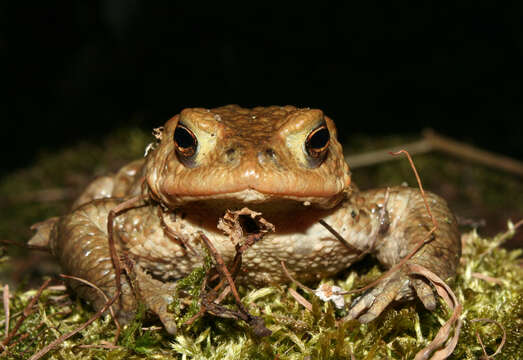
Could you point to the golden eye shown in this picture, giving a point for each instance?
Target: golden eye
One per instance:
(317, 142)
(185, 141)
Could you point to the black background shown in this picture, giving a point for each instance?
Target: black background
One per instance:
(80, 69)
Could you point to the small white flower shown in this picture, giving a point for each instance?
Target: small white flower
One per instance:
(328, 292)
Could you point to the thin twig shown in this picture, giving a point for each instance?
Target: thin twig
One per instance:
(171, 234)
(99, 346)
(487, 278)
(379, 156)
(6, 308)
(88, 283)
(340, 238)
(293, 279)
(26, 335)
(448, 295)
(506, 235)
(34, 336)
(126, 205)
(27, 311)
(211, 295)
(503, 339)
(433, 141)
(469, 152)
(420, 186)
(64, 337)
(306, 304)
(420, 243)
(393, 269)
(222, 269)
(207, 302)
(152, 328)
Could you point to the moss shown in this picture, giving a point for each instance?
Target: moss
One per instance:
(190, 288)
(398, 334)
(297, 333)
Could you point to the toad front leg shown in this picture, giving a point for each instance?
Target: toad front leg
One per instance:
(408, 223)
(80, 242)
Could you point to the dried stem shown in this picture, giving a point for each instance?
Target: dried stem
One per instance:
(27, 311)
(64, 337)
(420, 243)
(293, 279)
(434, 222)
(171, 234)
(443, 334)
(306, 304)
(341, 238)
(383, 220)
(126, 205)
(393, 269)
(468, 152)
(6, 309)
(222, 269)
(503, 339)
(487, 278)
(432, 141)
(511, 232)
(207, 301)
(88, 283)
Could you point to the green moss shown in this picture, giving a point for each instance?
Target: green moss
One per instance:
(398, 334)
(190, 287)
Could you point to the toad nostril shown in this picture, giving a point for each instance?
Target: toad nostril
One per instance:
(230, 153)
(270, 153)
(266, 155)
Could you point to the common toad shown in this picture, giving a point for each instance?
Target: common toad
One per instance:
(284, 162)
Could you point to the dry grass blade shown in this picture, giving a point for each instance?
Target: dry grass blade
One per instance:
(126, 205)
(307, 305)
(395, 268)
(444, 332)
(420, 243)
(257, 324)
(64, 337)
(340, 238)
(487, 278)
(222, 269)
(420, 186)
(111, 310)
(432, 141)
(173, 236)
(469, 152)
(27, 311)
(6, 308)
(100, 346)
(286, 271)
(501, 344)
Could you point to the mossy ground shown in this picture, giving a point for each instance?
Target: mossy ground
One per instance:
(297, 333)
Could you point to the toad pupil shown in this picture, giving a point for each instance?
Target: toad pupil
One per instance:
(185, 140)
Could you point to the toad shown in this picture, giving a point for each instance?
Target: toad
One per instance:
(284, 162)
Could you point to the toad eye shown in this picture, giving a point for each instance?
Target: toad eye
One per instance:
(317, 142)
(185, 141)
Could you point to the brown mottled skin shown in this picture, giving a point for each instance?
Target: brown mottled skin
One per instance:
(255, 158)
